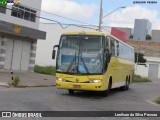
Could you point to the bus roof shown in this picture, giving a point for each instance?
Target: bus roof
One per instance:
(85, 33)
(95, 33)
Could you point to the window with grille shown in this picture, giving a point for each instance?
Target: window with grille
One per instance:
(3, 9)
(24, 13)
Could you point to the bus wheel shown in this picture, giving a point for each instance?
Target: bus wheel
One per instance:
(71, 92)
(123, 88)
(127, 85)
(106, 92)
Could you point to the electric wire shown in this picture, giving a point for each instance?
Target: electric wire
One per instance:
(54, 20)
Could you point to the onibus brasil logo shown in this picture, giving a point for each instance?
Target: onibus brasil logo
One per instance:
(5, 2)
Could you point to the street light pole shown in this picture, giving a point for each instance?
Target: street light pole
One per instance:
(114, 11)
(100, 15)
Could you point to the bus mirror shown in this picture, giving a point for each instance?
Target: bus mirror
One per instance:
(106, 51)
(54, 51)
(56, 46)
(53, 54)
(107, 55)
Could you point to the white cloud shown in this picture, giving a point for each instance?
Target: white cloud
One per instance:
(69, 8)
(126, 17)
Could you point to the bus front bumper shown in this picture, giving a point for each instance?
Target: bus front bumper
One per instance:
(79, 86)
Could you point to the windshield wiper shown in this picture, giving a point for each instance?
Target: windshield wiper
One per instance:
(71, 63)
(84, 64)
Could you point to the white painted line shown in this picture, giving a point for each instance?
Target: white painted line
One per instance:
(153, 103)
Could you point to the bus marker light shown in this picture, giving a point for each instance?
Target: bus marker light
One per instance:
(61, 79)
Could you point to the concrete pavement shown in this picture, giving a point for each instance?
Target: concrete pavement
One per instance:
(139, 97)
(27, 79)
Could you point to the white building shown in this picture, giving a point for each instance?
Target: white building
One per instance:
(18, 35)
(128, 31)
(155, 36)
(151, 69)
(142, 28)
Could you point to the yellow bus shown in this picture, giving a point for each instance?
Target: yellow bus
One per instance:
(93, 61)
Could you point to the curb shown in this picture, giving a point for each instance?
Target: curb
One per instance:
(24, 86)
(4, 84)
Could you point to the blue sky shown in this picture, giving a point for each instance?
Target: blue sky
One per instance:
(88, 11)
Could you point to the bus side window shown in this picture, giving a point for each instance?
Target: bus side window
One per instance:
(117, 46)
(107, 53)
(107, 44)
(113, 47)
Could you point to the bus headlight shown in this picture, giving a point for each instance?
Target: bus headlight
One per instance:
(61, 79)
(95, 81)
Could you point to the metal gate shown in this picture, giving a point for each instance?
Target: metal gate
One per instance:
(17, 55)
(153, 70)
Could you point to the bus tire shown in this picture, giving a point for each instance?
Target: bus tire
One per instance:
(106, 92)
(123, 88)
(127, 86)
(71, 92)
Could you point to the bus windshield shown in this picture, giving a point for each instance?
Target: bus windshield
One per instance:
(80, 54)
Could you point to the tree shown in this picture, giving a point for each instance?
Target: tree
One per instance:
(141, 58)
(148, 37)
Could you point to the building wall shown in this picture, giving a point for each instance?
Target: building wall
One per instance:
(144, 70)
(25, 55)
(155, 35)
(151, 49)
(32, 55)
(17, 53)
(32, 4)
(142, 27)
(153, 70)
(128, 31)
(2, 51)
(140, 68)
(149, 27)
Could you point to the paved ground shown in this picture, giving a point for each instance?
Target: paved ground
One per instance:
(53, 99)
(138, 98)
(27, 79)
